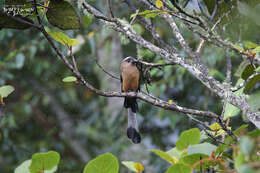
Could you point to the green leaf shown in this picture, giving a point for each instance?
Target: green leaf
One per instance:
(246, 145)
(254, 134)
(145, 13)
(194, 158)
(239, 48)
(151, 15)
(188, 137)
(130, 165)
(87, 20)
(250, 45)
(231, 110)
(239, 160)
(240, 130)
(204, 148)
(69, 79)
(257, 49)
(24, 167)
(166, 156)
(252, 83)
(63, 38)
(257, 69)
(179, 168)
(241, 68)
(106, 163)
(62, 15)
(141, 13)
(248, 71)
(175, 153)
(6, 90)
(44, 161)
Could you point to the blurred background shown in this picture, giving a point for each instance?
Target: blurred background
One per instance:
(46, 114)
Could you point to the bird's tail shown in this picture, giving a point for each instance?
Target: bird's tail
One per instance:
(132, 129)
(130, 102)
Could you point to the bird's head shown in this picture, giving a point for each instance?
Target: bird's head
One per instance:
(130, 59)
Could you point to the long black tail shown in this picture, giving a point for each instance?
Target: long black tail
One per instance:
(132, 129)
(130, 102)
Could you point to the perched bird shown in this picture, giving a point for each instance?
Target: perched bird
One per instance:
(130, 77)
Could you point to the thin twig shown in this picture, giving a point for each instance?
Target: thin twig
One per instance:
(110, 9)
(105, 71)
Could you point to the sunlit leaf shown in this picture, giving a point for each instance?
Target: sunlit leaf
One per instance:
(69, 79)
(139, 167)
(158, 4)
(106, 163)
(179, 168)
(238, 47)
(165, 156)
(250, 45)
(24, 167)
(188, 137)
(44, 161)
(63, 38)
(215, 127)
(6, 90)
(257, 49)
(130, 165)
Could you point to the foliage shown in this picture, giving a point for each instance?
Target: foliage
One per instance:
(32, 117)
(201, 156)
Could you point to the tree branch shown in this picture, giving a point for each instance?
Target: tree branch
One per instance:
(198, 72)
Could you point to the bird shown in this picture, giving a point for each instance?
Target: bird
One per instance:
(130, 81)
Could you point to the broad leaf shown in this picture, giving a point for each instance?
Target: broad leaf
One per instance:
(252, 82)
(106, 163)
(175, 153)
(188, 137)
(130, 165)
(254, 102)
(179, 168)
(62, 15)
(204, 148)
(63, 38)
(24, 167)
(166, 156)
(257, 49)
(250, 45)
(6, 90)
(44, 161)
